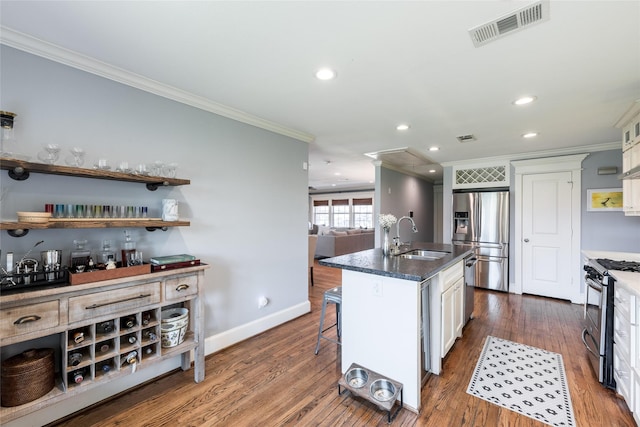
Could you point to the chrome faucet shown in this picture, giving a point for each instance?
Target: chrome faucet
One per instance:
(413, 228)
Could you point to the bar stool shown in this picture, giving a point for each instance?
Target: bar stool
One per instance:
(331, 296)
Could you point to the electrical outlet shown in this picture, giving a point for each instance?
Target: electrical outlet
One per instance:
(376, 290)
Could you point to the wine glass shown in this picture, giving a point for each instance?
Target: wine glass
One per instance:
(169, 170)
(155, 169)
(50, 153)
(77, 157)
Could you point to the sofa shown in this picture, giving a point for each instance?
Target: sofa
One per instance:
(339, 242)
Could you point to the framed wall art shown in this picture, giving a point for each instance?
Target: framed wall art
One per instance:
(604, 199)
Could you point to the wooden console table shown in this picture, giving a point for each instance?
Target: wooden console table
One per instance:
(119, 320)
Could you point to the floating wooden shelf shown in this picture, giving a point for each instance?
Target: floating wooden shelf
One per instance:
(16, 228)
(20, 170)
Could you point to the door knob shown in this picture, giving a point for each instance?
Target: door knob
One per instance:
(526, 240)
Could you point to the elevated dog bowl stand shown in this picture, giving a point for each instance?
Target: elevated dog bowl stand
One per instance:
(362, 387)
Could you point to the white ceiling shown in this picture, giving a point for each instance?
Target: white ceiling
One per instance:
(397, 62)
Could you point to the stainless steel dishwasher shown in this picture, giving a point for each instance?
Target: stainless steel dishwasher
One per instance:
(469, 286)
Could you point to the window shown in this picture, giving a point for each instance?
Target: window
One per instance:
(363, 213)
(340, 212)
(321, 212)
(347, 211)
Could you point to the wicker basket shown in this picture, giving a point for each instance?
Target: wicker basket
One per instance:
(27, 376)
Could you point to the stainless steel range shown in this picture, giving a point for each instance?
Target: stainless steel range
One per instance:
(597, 335)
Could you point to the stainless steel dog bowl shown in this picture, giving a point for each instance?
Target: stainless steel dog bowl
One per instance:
(356, 377)
(382, 390)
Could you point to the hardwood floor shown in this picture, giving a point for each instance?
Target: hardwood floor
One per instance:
(275, 379)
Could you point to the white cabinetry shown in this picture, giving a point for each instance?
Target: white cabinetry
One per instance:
(483, 175)
(459, 306)
(626, 347)
(452, 301)
(622, 348)
(635, 359)
(630, 125)
(631, 186)
(448, 322)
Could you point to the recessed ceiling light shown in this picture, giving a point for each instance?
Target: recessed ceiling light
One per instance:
(524, 100)
(326, 74)
(402, 127)
(434, 148)
(337, 174)
(530, 135)
(432, 171)
(333, 185)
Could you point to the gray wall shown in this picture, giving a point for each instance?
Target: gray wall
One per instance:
(607, 231)
(398, 195)
(248, 192)
(247, 202)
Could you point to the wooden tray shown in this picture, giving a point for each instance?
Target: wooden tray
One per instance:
(100, 275)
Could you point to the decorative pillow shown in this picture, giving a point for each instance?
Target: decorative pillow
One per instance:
(354, 231)
(323, 230)
(338, 233)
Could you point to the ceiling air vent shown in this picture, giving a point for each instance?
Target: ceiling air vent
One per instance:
(516, 20)
(466, 138)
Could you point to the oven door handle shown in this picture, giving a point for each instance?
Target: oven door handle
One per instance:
(593, 284)
(584, 341)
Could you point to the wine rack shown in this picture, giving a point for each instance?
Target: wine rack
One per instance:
(98, 351)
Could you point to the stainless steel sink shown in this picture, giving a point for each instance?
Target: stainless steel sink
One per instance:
(425, 255)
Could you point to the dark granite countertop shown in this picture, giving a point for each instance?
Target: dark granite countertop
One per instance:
(373, 262)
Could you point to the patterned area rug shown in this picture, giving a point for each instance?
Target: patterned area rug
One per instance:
(524, 379)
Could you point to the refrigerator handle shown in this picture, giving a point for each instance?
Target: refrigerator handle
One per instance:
(477, 215)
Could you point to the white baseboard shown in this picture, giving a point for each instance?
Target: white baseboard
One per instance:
(240, 333)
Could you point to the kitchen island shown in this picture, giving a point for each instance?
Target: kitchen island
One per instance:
(387, 303)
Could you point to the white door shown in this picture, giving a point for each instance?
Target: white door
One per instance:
(547, 234)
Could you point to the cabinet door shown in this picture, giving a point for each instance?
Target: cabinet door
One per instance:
(623, 375)
(634, 153)
(458, 307)
(631, 187)
(448, 335)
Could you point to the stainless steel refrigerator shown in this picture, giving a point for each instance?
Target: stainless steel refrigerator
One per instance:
(481, 219)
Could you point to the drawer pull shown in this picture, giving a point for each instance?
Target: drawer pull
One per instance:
(116, 302)
(27, 319)
(182, 287)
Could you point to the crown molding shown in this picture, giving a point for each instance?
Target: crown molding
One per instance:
(38, 47)
(629, 114)
(616, 145)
